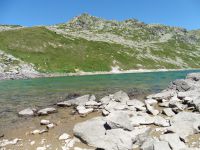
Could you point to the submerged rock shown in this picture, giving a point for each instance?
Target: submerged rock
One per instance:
(27, 112)
(47, 111)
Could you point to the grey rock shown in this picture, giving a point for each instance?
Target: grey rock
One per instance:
(27, 112)
(51, 125)
(119, 119)
(164, 104)
(151, 110)
(185, 124)
(194, 76)
(47, 111)
(44, 122)
(92, 104)
(137, 104)
(161, 145)
(174, 141)
(112, 106)
(94, 134)
(105, 112)
(117, 139)
(148, 144)
(64, 104)
(141, 120)
(167, 94)
(79, 100)
(105, 100)
(160, 121)
(121, 97)
(83, 111)
(168, 112)
(181, 85)
(91, 131)
(151, 101)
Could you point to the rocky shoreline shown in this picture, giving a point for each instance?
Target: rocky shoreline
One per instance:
(169, 120)
(30, 74)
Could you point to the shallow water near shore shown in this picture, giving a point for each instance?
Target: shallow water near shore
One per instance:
(16, 95)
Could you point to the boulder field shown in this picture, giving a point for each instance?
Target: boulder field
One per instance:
(163, 121)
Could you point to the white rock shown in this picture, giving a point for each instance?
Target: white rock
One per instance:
(92, 103)
(64, 136)
(27, 112)
(168, 112)
(105, 112)
(152, 110)
(119, 119)
(79, 100)
(47, 111)
(105, 100)
(160, 121)
(64, 104)
(51, 125)
(83, 111)
(35, 132)
(161, 145)
(6, 142)
(141, 120)
(174, 141)
(32, 143)
(44, 122)
(121, 97)
(151, 101)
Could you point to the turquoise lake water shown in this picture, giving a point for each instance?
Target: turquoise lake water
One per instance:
(16, 95)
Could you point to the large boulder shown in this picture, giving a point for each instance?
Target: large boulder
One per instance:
(181, 85)
(117, 139)
(185, 124)
(94, 133)
(174, 141)
(91, 131)
(119, 119)
(161, 145)
(121, 97)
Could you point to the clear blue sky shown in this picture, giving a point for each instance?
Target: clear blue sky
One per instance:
(183, 13)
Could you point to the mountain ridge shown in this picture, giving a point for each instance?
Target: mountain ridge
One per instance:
(88, 44)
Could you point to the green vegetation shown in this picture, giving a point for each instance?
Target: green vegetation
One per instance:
(52, 52)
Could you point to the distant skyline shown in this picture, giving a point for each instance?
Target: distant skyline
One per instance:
(180, 13)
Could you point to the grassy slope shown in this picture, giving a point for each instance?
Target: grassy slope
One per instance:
(51, 52)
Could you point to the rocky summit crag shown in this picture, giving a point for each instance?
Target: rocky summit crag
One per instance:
(89, 44)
